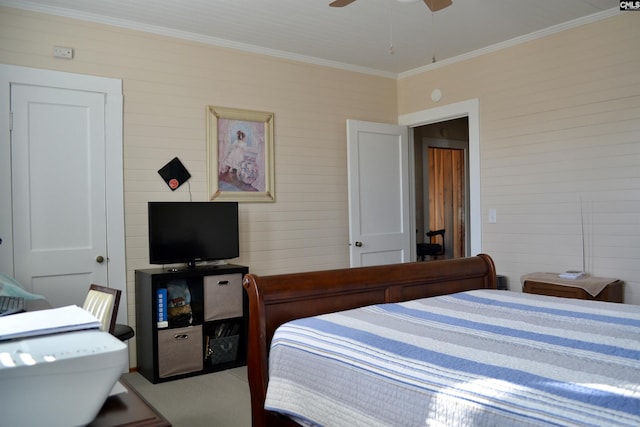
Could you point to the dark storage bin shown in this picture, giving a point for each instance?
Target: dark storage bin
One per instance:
(501, 282)
(224, 349)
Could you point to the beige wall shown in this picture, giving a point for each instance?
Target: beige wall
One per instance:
(168, 83)
(559, 124)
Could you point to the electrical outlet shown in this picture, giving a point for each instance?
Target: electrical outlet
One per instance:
(63, 52)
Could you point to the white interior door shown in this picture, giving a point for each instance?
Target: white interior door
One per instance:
(58, 164)
(63, 154)
(379, 194)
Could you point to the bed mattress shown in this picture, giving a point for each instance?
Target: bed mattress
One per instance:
(476, 358)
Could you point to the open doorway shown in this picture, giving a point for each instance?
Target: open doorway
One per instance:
(441, 155)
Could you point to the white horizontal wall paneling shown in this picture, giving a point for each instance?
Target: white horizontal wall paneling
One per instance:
(167, 85)
(559, 126)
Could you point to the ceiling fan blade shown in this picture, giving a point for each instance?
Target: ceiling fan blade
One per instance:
(436, 5)
(341, 3)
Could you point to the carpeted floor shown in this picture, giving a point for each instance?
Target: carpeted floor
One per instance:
(219, 399)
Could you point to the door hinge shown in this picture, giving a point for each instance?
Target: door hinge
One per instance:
(10, 121)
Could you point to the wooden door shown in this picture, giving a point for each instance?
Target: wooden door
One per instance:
(447, 198)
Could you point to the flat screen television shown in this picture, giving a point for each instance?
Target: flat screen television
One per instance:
(192, 232)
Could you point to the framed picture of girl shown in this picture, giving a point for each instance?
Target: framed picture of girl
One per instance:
(240, 155)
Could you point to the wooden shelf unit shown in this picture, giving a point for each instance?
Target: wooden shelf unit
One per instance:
(178, 351)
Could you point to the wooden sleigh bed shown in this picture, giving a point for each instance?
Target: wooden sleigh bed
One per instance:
(367, 303)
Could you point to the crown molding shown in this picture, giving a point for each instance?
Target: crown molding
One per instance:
(185, 35)
(513, 42)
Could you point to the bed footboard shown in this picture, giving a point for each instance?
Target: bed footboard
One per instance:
(276, 299)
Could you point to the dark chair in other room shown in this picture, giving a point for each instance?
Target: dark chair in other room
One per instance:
(432, 248)
(103, 303)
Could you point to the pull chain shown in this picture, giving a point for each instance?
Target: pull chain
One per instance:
(391, 50)
(433, 33)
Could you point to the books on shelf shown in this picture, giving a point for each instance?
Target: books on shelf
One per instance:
(161, 295)
(571, 274)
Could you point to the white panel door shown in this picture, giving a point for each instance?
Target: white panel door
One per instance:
(379, 202)
(58, 186)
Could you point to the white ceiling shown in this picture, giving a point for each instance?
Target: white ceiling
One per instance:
(357, 37)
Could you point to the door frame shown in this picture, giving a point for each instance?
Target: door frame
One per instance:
(112, 88)
(470, 109)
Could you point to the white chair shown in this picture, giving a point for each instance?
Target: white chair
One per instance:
(103, 302)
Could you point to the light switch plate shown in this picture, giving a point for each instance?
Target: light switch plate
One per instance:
(492, 216)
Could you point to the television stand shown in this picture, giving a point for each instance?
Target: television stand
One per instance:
(215, 340)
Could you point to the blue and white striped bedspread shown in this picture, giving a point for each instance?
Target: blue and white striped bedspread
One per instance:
(476, 358)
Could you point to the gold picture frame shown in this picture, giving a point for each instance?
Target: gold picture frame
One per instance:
(240, 155)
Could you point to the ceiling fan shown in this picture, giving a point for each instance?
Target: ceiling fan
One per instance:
(434, 5)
